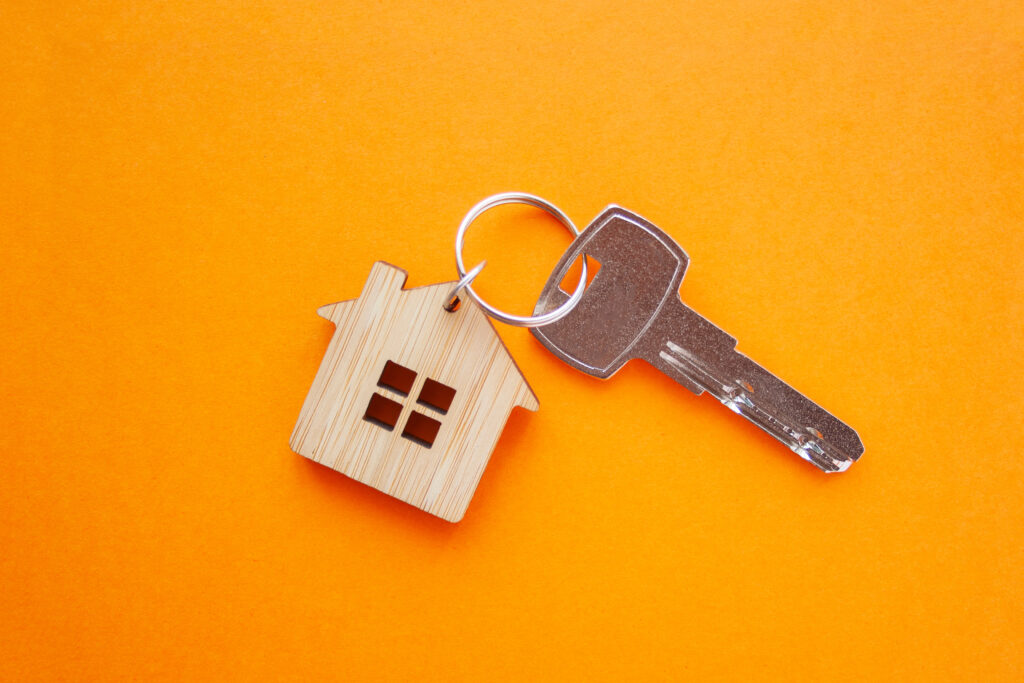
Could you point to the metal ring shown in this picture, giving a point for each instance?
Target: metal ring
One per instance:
(451, 303)
(507, 318)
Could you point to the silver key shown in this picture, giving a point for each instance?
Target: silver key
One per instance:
(632, 309)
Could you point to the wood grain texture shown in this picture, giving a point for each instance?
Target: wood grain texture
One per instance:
(410, 327)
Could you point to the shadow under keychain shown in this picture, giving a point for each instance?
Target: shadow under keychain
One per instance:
(415, 389)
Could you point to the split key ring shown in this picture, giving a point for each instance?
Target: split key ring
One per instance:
(466, 278)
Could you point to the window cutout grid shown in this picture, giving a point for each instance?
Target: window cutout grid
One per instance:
(421, 429)
(436, 395)
(397, 378)
(383, 412)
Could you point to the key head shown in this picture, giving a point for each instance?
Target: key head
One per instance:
(641, 269)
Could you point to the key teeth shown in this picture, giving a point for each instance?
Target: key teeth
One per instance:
(813, 453)
(819, 459)
(842, 466)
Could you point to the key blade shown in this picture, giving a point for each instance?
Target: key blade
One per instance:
(690, 348)
(641, 269)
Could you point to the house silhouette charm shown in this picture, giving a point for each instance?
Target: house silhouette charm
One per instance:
(409, 398)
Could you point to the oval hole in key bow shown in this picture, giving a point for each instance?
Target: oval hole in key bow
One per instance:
(572, 276)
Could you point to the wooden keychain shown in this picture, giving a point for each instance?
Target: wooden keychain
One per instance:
(416, 386)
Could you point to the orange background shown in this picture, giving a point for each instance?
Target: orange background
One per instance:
(185, 183)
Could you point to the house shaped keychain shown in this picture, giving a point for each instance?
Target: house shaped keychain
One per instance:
(414, 389)
(410, 398)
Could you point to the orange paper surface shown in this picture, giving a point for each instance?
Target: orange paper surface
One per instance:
(184, 184)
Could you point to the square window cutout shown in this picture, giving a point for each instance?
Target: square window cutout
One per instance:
(421, 429)
(397, 377)
(383, 412)
(436, 395)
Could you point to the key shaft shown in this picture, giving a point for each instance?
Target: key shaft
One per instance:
(702, 357)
